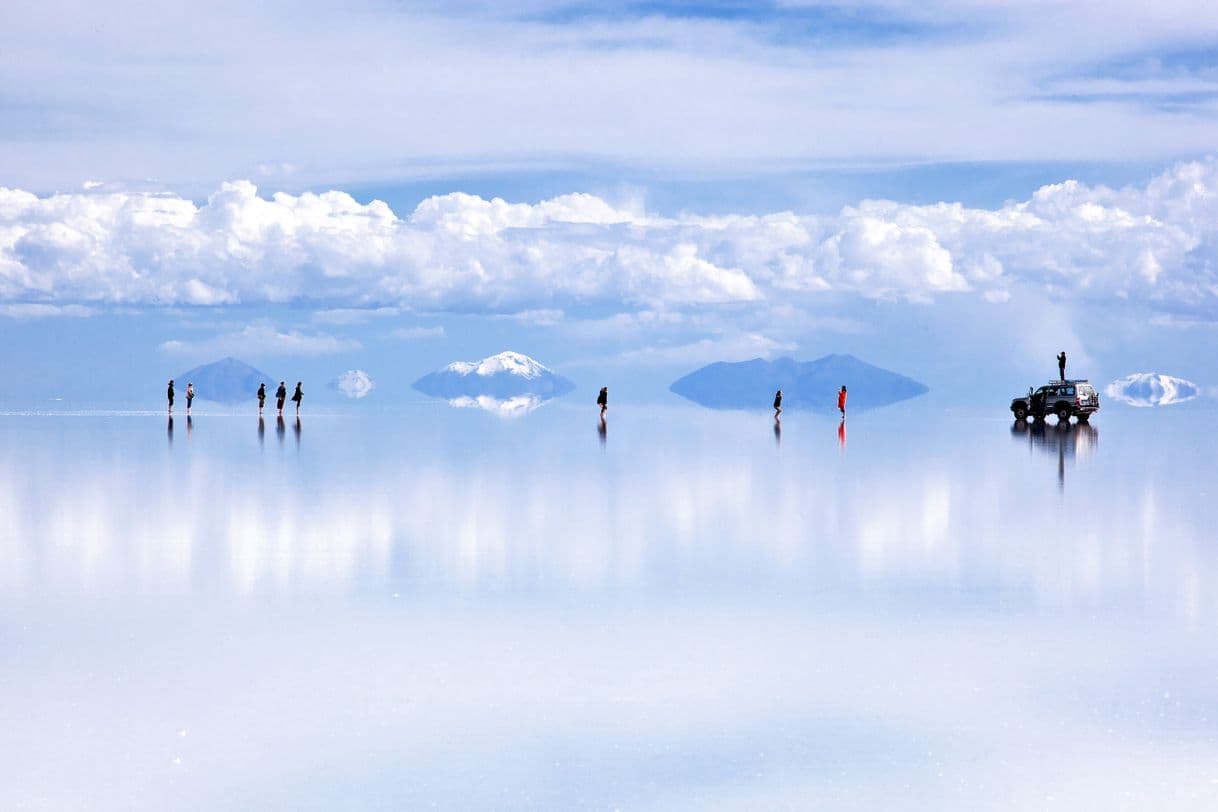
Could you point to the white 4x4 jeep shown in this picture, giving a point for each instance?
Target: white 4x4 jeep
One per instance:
(1065, 399)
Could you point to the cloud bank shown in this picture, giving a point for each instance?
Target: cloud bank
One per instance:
(1145, 389)
(1152, 244)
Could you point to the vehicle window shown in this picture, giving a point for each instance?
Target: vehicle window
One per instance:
(1070, 391)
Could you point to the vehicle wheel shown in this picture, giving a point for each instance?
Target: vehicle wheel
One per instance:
(1063, 415)
(1020, 413)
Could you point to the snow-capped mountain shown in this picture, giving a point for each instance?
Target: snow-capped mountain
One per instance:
(1145, 389)
(503, 376)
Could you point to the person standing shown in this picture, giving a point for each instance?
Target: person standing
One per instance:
(297, 397)
(1061, 366)
(261, 397)
(841, 401)
(602, 400)
(281, 394)
(169, 394)
(190, 396)
(777, 403)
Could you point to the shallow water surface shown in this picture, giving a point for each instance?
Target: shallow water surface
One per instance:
(921, 608)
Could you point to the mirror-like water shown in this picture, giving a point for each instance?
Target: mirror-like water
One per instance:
(922, 608)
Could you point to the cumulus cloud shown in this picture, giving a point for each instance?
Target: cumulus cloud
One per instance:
(354, 383)
(1150, 244)
(1145, 389)
(263, 340)
(32, 310)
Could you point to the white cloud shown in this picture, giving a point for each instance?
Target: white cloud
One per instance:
(354, 383)
(354, 315)
(1145, 389)
(262, 340)
(1071, 241)
(32, 310)
(416, 333)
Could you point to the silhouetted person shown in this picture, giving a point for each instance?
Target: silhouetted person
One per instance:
(281, 394)
(1061, 365)
(841, 401)
(261, 397)
(777, 403)
(297, 397)
(169, 394)
(602, 400)
(190, 396)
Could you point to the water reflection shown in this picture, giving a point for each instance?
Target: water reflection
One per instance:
(280, 430)
(169, 431)
(296, 432)
(501, 407)
(777, 432)
(261, 431)
(534, 515)
(1065, 441)
(841, 434)
(602, 431)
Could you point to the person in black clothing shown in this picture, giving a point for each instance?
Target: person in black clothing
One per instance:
(169, 395)
(777, 403)
(297, 397)
(281, 394)
(190, 396)
(261, 397)
(1061, 365)
(602, 400)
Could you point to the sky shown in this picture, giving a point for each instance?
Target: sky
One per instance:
(625, 191)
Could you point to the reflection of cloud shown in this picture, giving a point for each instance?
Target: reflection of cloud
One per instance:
(503, 407)
(354, 383)
(1145, 389)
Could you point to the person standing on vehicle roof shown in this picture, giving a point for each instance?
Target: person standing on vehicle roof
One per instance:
(1061, 366)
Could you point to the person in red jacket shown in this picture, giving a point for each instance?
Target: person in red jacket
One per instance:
(841, 401)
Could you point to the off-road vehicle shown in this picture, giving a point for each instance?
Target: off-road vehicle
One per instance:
(1066, 399)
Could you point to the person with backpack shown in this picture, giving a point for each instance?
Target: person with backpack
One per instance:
(602, 400)
(190, 396)
(281, 394)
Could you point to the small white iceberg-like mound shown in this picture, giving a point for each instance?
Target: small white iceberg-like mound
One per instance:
(354, 383)
(1145, 389)
(501, 407)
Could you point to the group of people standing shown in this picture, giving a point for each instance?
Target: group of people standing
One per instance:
(280, 396)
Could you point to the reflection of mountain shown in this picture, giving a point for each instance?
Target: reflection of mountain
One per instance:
(808, 385)
(507, 407)
(504, 376)
(225, 381)
(1151, 389)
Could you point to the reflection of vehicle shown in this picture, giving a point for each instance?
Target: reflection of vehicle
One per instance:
(1065, 399)
(1065, 441)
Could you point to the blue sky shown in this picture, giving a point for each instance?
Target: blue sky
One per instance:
(680, 183)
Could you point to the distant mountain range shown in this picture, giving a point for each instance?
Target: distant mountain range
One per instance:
(225, 381)
(811, 385)
(503, 376)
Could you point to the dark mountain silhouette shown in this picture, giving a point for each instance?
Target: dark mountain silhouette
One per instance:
(502, 376)
(225, 381)
(810, 385)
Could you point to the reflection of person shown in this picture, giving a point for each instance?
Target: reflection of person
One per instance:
(297, 397)
(841, 433)
(281, 394)
(777, 431)
(261, 430)
(190, 396)
(261, 397)
(1061, 365)
(841, 401)
(169, 394)
(602, 400)
(296, 431)
(777, 403)
(602, 431)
